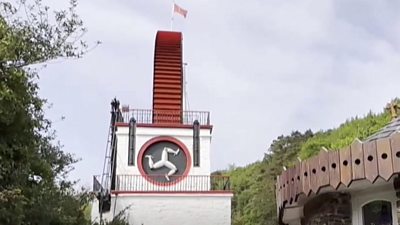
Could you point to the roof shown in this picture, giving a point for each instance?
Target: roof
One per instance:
(385, 132)
(377, 156)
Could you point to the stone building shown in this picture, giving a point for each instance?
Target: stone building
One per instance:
(357, 185)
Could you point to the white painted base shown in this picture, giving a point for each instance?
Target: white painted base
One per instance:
(171, 209)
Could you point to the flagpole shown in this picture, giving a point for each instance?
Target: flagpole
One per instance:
(172, 14)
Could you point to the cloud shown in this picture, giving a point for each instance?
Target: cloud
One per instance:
(263, 68)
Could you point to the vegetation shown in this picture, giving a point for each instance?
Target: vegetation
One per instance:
(33, 169)
(119, 219)
(345, 134)
(254, 185)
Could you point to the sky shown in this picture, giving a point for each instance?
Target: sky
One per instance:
(261, 67)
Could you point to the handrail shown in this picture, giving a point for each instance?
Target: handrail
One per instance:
(191, 183)
(149, 116)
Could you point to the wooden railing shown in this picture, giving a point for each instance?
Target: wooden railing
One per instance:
(360, 161)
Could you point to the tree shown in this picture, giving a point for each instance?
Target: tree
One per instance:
(345, 134)
(254, 185)
(33, 169)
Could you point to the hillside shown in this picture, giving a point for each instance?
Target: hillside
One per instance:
(254, 185)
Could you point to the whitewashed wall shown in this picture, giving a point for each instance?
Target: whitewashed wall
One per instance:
(172, 209)
(143, 134)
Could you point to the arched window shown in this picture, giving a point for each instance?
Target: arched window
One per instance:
(377, 213)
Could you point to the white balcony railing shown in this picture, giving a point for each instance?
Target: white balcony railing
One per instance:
(148, 116)
(193, 183)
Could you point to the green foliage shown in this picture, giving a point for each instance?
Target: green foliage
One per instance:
(254, 185)
(345, 134)
(33, 169)
(28, 36)
(119, 219)
(87, 211)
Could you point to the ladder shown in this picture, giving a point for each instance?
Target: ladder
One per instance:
(108, 174)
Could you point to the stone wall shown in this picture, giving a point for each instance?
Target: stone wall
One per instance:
(328, 209)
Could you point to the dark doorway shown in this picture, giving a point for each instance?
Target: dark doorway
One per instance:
(377, 213)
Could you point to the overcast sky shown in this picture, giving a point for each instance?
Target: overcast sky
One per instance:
(262, 68)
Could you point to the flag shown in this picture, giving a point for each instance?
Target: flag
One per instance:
(180, 10)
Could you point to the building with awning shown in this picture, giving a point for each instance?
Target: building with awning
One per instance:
(359, 184)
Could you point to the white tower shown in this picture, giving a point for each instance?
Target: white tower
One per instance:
(158, 163)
